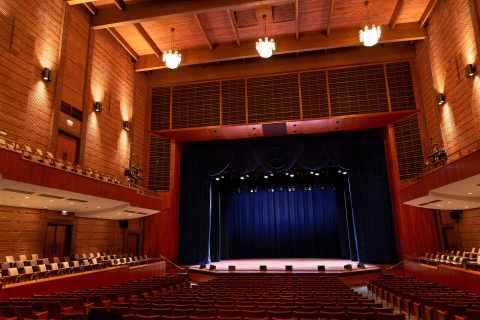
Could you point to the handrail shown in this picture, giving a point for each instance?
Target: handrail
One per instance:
(171, 262)
(459, 154)
(406, 258)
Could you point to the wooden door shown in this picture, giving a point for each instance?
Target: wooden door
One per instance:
(66, 148)
(133, 244)
(449, 238)
(57, 242)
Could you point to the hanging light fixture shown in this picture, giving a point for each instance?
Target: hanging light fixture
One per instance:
(265, 47)
(172, 59)
(369, 37)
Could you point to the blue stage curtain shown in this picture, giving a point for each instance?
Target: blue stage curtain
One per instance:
(298, 224)
(194, 220)
(372, 209)
(346, 150)
(260, 217)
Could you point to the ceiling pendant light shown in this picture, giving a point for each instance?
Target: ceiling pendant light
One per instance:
(369, 37)
(265, 47)
(172, 59)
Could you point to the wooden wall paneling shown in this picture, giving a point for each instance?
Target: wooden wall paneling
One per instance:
(298, 75)
(388, 90)
(295, 127)
(82, 281)
(463, 280)
(409, 148)
(394, 184)
(17, 169)
(161, 229)
(454, 171)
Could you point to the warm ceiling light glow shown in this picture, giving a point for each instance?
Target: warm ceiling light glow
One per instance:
(265, 47)
(369, 37)
(172, 59)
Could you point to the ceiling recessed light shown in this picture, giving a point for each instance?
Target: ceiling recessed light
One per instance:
(98, 216)
(449, 202)
(23, 204)
(119, 213)
(27, 197)
(98, 207)
(439, 205)
(51, 200)
(466, 206)
(45, 207)
(469, 193)
(71, 202)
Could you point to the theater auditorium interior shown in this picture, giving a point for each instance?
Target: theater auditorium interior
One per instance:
(303, 159)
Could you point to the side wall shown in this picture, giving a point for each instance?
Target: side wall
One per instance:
(87, 66)
(23, 231)
(452, 43)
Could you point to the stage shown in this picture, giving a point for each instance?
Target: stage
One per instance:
(276, 267)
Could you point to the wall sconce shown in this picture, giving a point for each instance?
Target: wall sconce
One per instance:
(47, 75)
(98, 106)
(440, 99)
(126, 125)
(469, 70)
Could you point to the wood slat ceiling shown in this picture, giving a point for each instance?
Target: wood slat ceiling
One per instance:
(218, 36)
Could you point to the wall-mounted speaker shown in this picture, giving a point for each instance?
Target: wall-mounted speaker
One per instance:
(288, 268)
(455, 214)
(123, 223)
(263, 268)
(321, 268)
(231, 268)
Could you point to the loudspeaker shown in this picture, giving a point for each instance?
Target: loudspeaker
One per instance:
(455, 214)
(361, 265)
(288, 268)
(231, 268)
(212, 267)
(202, 266)
(321, 268)
(123, 223)
(347, 267)
(263, 268)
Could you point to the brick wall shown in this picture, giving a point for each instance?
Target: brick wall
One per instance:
(23, 231)
(29, 40)
(87, 66)
(451, 45)
(469, 226)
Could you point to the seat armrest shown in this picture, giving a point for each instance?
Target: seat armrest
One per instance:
(67, 310)
(442, 315)
(41, 315)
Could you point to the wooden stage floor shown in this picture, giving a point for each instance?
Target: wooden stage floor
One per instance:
(276, 267)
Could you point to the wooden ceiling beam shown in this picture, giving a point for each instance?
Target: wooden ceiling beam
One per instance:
(120, 4)
(359, 55)
(427, 12)
(149, 40)
(296, 19)
(124, 43)
(284, 45)
(234, 26)
(74, 2)
(330, 14)
(200, 24)
(156, 10)
(396, 13)
(91, 7)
